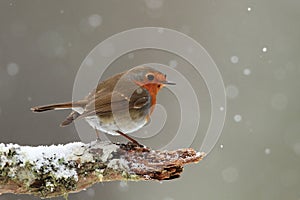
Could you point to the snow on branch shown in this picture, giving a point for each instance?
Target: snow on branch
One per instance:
(50, 171)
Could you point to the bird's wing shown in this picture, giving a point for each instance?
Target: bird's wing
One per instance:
(104, 103)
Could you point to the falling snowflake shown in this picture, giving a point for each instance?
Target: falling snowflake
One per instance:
(264, 49)
(234, 59)
(237, 118)
(247, 72)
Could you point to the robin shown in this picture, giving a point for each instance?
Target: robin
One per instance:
(119, 105)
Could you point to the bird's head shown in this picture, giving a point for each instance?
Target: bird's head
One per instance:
(149, 78)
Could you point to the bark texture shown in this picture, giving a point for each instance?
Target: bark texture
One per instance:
(50, 171)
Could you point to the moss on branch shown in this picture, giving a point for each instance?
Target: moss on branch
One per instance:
(50, 171)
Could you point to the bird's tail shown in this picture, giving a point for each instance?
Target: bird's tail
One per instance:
(72, 116)
(58, 106)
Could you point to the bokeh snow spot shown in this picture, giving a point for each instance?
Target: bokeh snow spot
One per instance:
(246, 71)
(154, 4)
(230, 174)
(267, 151)
(95, 20)
(279, 101)
(234, 59)
(232, 91)
(12, 69)
(51, 44)
(264, 49)
(237, 118)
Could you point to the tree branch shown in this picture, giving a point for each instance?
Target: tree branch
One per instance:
(49, 171)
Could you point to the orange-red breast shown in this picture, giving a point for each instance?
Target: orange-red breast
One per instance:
(119, 105)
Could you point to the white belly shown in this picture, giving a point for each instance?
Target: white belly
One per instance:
(112, 127)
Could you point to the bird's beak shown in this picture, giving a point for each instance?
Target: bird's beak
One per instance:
(168, 83)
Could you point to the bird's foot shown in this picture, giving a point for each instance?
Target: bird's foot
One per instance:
(130, 139)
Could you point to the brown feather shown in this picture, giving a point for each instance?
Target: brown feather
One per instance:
(71, 117)
(66, 105)
(105, 105)
(114, 92)
(120, 92)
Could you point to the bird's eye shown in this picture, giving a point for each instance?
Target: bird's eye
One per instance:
(150, 77)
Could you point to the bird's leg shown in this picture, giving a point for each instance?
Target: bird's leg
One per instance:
(129, 138)
(98, 135)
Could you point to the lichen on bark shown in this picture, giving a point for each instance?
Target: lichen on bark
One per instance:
(49, 171)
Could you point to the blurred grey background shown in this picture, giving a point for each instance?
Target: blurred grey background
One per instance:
(255, 44)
